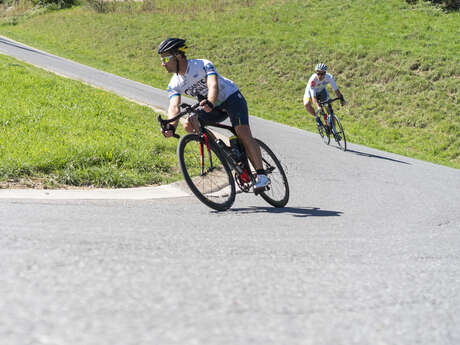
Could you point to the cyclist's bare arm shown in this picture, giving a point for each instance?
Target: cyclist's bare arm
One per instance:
(339, 95)
(173, 110)
(213, 92)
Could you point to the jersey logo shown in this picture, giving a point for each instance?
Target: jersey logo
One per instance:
(312, 83)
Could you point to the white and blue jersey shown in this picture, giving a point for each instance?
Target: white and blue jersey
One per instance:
(193, 82)
(316, 87)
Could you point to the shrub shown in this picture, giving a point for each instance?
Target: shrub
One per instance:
(447, 4)
(55, 3)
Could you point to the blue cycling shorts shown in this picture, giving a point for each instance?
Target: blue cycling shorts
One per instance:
(321, 96)
(234, 106)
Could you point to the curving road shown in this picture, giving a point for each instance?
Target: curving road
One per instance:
(367, 252)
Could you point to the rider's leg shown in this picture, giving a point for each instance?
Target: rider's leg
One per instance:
(252, 148)
(323, 96)
(191, 124)
(330, 123)
(307, 103)
(254, 155)
(309, 108)
(237, 109)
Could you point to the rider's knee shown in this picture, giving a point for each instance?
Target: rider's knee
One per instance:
(243, 131)
(190, 125)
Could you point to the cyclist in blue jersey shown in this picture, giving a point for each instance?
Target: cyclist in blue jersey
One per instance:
(220, 98)
(316, 90)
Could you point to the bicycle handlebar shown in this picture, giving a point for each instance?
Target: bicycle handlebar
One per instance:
(188, 109)
(329, 101)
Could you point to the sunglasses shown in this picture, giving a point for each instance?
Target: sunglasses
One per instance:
(320, 72)
(165, 59)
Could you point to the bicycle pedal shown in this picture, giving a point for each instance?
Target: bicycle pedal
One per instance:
(261, 190)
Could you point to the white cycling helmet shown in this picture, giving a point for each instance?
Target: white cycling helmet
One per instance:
(321, 67)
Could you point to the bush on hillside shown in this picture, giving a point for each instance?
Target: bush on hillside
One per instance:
(104, 6)
(56, 3)
(43, 3)
(448, 4)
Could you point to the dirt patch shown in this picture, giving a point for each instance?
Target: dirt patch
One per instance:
(38, 183)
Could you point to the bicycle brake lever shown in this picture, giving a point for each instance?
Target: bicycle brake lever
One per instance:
(161, 121)
(163, 125)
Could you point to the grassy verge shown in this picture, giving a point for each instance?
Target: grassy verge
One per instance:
(397, 65)
(56, 132)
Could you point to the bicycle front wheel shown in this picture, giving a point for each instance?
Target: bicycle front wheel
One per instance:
(278, 194)
(206, 172)
(339, 133)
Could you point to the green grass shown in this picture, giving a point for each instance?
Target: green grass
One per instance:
(63, 132)
(398, 65)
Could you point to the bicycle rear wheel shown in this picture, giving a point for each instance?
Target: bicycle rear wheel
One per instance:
(323, 133)
(278, 194)
(206, 172)
(339, 133)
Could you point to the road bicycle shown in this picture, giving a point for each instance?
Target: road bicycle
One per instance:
(212, 169)
(331, 125)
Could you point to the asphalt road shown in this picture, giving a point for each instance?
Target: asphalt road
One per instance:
(366, 252)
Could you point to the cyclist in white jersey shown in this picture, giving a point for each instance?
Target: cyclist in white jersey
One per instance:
(316, 90)
(219, 98)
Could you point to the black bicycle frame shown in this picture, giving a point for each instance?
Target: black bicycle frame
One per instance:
(203, 133)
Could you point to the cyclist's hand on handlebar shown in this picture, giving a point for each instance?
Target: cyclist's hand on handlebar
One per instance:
(343, 102)
(168, 131)
(206, 105)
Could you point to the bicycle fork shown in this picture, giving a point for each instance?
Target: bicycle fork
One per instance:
(206, 142)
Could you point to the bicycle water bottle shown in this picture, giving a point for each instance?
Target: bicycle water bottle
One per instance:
(228, 155)
(236, 148)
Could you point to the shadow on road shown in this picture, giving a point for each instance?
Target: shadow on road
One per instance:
(294, 211)
(375, 156)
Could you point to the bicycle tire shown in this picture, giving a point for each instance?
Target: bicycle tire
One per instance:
(325, 137)
(216, 187)
(278, 194)
(339, 134)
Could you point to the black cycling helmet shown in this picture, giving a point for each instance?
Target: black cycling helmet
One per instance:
(172, 44)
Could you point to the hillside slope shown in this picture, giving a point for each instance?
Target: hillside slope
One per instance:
(397, 65)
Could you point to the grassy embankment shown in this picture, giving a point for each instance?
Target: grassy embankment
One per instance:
(55, 132)
(398, 65)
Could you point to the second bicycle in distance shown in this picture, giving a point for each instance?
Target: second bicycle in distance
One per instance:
(331, 126)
